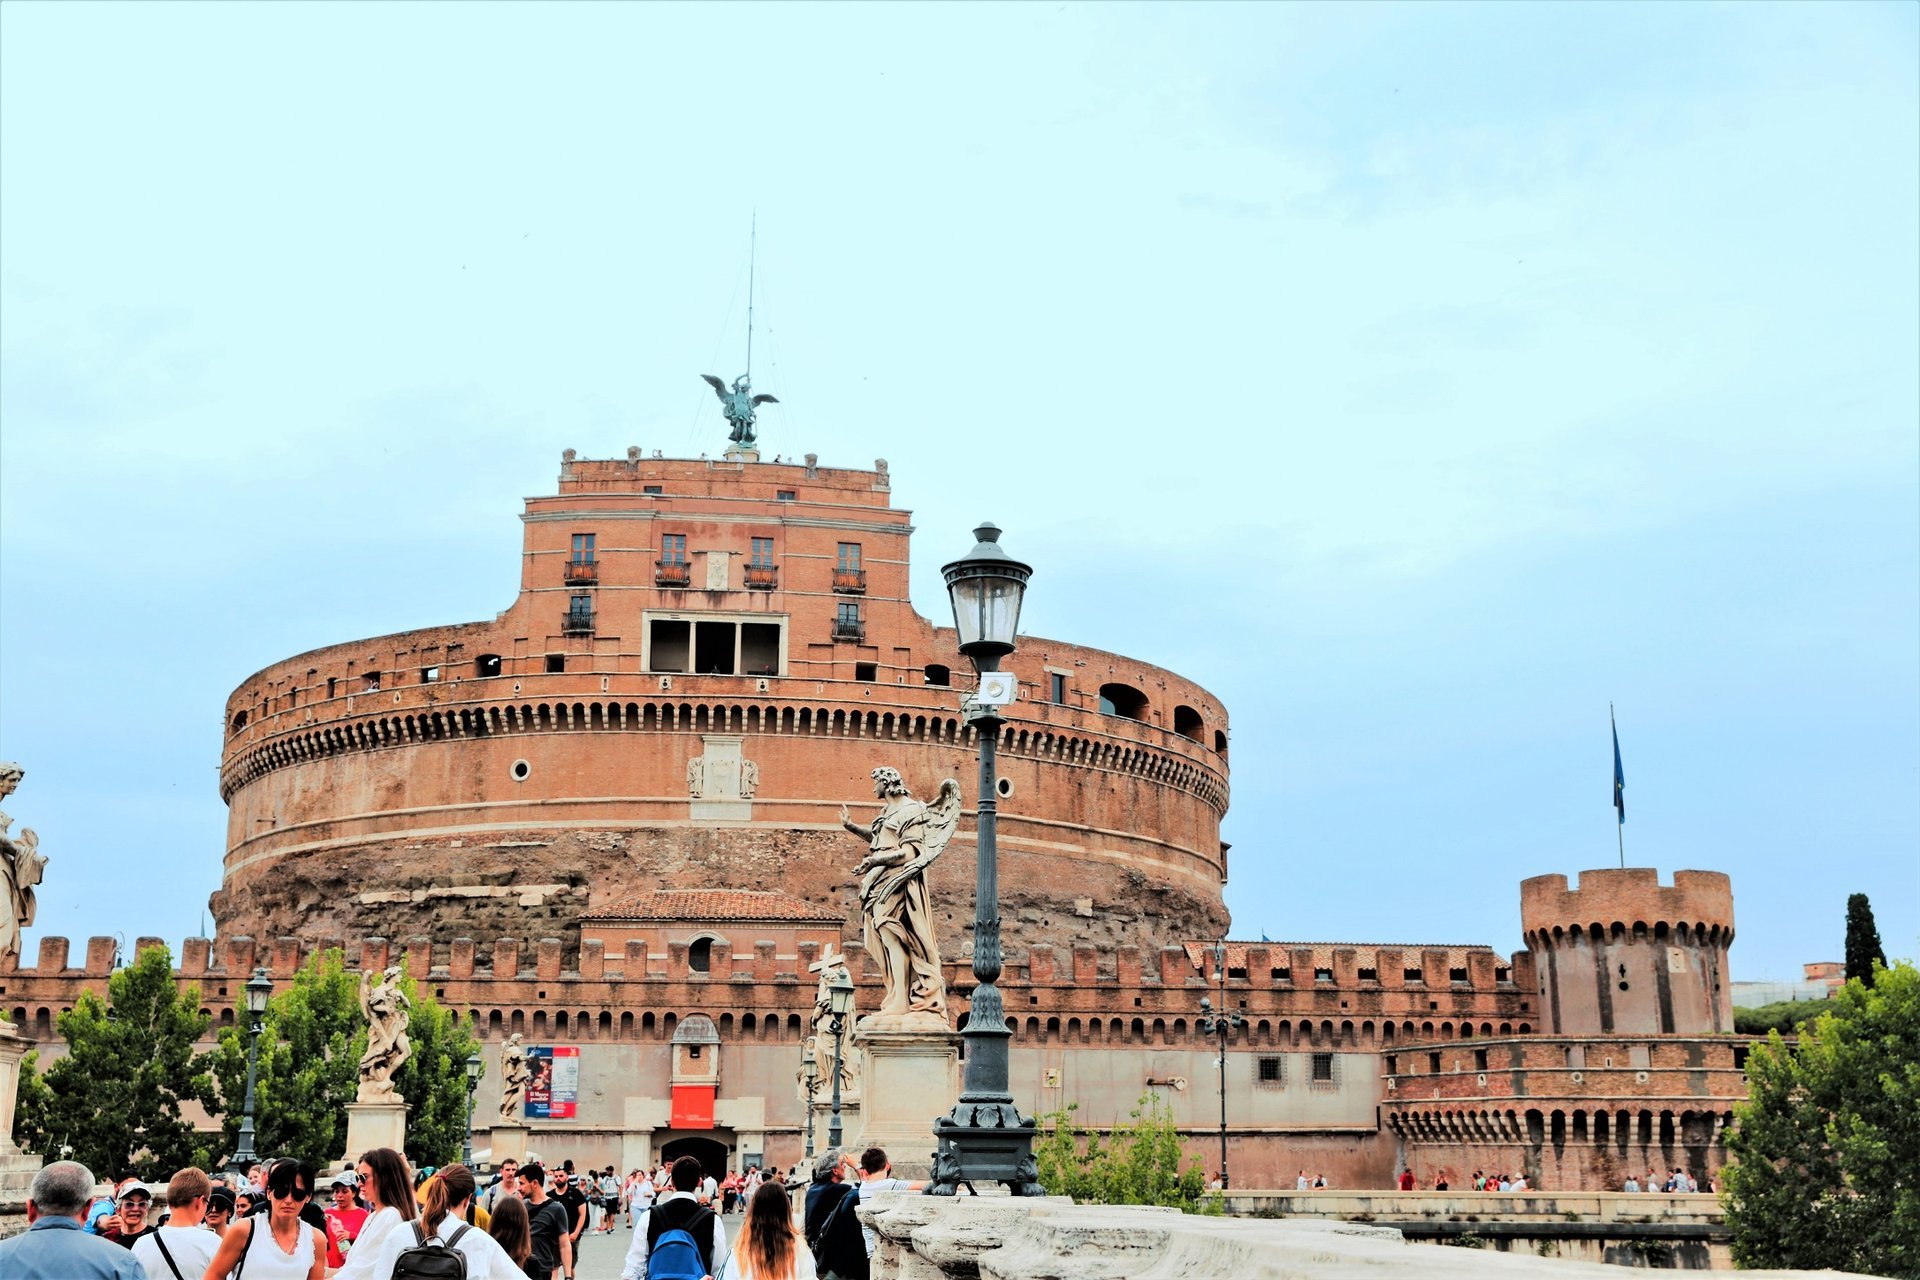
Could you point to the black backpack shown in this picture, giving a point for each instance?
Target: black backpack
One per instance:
(435, 1261)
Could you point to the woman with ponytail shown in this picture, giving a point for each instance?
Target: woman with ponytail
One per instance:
(769, 1248)
(448, 1194)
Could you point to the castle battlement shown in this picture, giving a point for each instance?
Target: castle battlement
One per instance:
(1623, 900)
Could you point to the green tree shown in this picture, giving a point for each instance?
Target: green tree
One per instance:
(1863, 940)
(1140, 1163)
(1826, 1145)
(31, 1104)
(113, 1102)
(310, 1050)
(1784, 1016)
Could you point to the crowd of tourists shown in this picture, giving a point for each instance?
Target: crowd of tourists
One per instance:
(382, 1220)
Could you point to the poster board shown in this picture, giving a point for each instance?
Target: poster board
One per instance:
(553, 1081)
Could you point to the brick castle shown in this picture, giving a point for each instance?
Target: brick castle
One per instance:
(608, 818)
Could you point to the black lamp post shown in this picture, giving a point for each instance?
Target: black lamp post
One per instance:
(810, 1081)
(1220, 1024)
(985, 1138)
(839, 1004)
(259, 987)
(475, 1067)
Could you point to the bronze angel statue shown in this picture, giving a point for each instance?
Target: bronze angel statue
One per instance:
(902, 843)
(739, 405)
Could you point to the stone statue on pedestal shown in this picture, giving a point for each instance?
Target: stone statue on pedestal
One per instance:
(830, 966)
(513, 1078)
(902, 843)
(385, 1006)
(21, 865)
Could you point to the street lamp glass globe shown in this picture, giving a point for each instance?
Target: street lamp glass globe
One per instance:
(809, 1066)
(840, 995)
(259, 987)
(986, 588)
(475, 1068)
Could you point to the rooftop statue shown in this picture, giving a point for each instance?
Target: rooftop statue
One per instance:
(739, 405)
(20, 866)
(902, 843)
(386, 1008)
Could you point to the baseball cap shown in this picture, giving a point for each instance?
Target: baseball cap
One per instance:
(221, 1196)
(133, 1189)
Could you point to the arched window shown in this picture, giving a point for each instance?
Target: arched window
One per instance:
(1123, 700)
(700, 955)
(1187, 723)
(938, 675)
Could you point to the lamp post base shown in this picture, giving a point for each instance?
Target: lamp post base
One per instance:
(986, 1141)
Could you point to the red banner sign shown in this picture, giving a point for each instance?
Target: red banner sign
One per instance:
(692, 1106)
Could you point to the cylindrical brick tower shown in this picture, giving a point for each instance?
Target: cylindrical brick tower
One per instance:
(706, 659)
(1623, 954)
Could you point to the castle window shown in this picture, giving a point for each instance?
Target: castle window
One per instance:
(579, 615)
(1323, 975)
(1056, 686)
(848, 575)
(938, 675)
(1502, 974)
(673, 548)
(583, 548)
(486, 665)
(239, 721)
(866, 671)
(332, 685)
(429, 674)
(652, 488)
(1123, 700)
(556, 663)
(1480, 1059)
(1281, 974)
(670, 645)
(715, 644)
(1393, 1064)
(1456, 975)
(700, 955)
(1413, 975)
(1433, 1063)
(370, 682)
(762, 557)
(1220, 741)
(1187, 723)
(785, 495)
(1323, 1068)
(1273, 1072)
(1369, 975)
(713, 647)
(846, 623)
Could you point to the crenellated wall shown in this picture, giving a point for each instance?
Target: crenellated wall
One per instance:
(1623, 954)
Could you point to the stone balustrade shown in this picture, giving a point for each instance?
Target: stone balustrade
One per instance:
(996, 1237)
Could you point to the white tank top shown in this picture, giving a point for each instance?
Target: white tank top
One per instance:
(264, 1261)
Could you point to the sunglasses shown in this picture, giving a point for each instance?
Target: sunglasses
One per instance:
(298, 1193)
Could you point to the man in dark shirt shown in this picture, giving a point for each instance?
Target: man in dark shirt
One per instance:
(831, 1227)
(547, 1224)
(575, 1201)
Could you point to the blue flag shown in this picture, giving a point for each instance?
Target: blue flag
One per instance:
(1619, 776)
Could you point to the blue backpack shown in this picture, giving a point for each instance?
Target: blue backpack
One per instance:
(674, 1251)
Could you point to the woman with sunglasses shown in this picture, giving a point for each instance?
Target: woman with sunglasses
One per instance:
(275, 1245)
(387, 1185)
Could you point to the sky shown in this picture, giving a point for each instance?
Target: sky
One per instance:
(1420, 379)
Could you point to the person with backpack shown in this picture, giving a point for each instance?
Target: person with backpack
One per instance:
(678, 1238)
(833, 1230)
(441, 1245)
(769, 1249)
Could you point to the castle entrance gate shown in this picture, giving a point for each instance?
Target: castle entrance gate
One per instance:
(711, 1151)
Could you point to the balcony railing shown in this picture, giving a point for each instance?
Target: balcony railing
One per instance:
(850, 582)
(672, 573)
(849, 629)
(579, 622)
(582, 571)
(763, 577)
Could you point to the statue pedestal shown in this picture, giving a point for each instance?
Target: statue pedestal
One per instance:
(16, 1166)
(375, 1124)
(507, 1142)
(908, 1079)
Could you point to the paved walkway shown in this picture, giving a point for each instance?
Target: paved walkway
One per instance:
(601, 1256)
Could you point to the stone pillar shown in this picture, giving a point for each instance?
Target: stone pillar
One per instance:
(16, 1166)
(375, 1124)
(507, 1142)
(908, 1079)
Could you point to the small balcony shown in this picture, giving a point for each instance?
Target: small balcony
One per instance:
(579, 622)
(850, 629)
(850, 582)
(582, 573)
(763, 577)
(672, 573)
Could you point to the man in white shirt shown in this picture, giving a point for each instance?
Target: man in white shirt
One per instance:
(876, 1175)
(679, 1208)
(184, 1248)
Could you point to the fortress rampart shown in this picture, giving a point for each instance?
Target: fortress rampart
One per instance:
(1624, 954)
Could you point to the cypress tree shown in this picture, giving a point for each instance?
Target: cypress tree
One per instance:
(1863, 940)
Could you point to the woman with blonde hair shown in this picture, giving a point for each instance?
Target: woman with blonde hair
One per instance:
(769, 1248)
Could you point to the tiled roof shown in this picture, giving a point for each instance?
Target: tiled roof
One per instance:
(1280, 953)
(682, 905)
